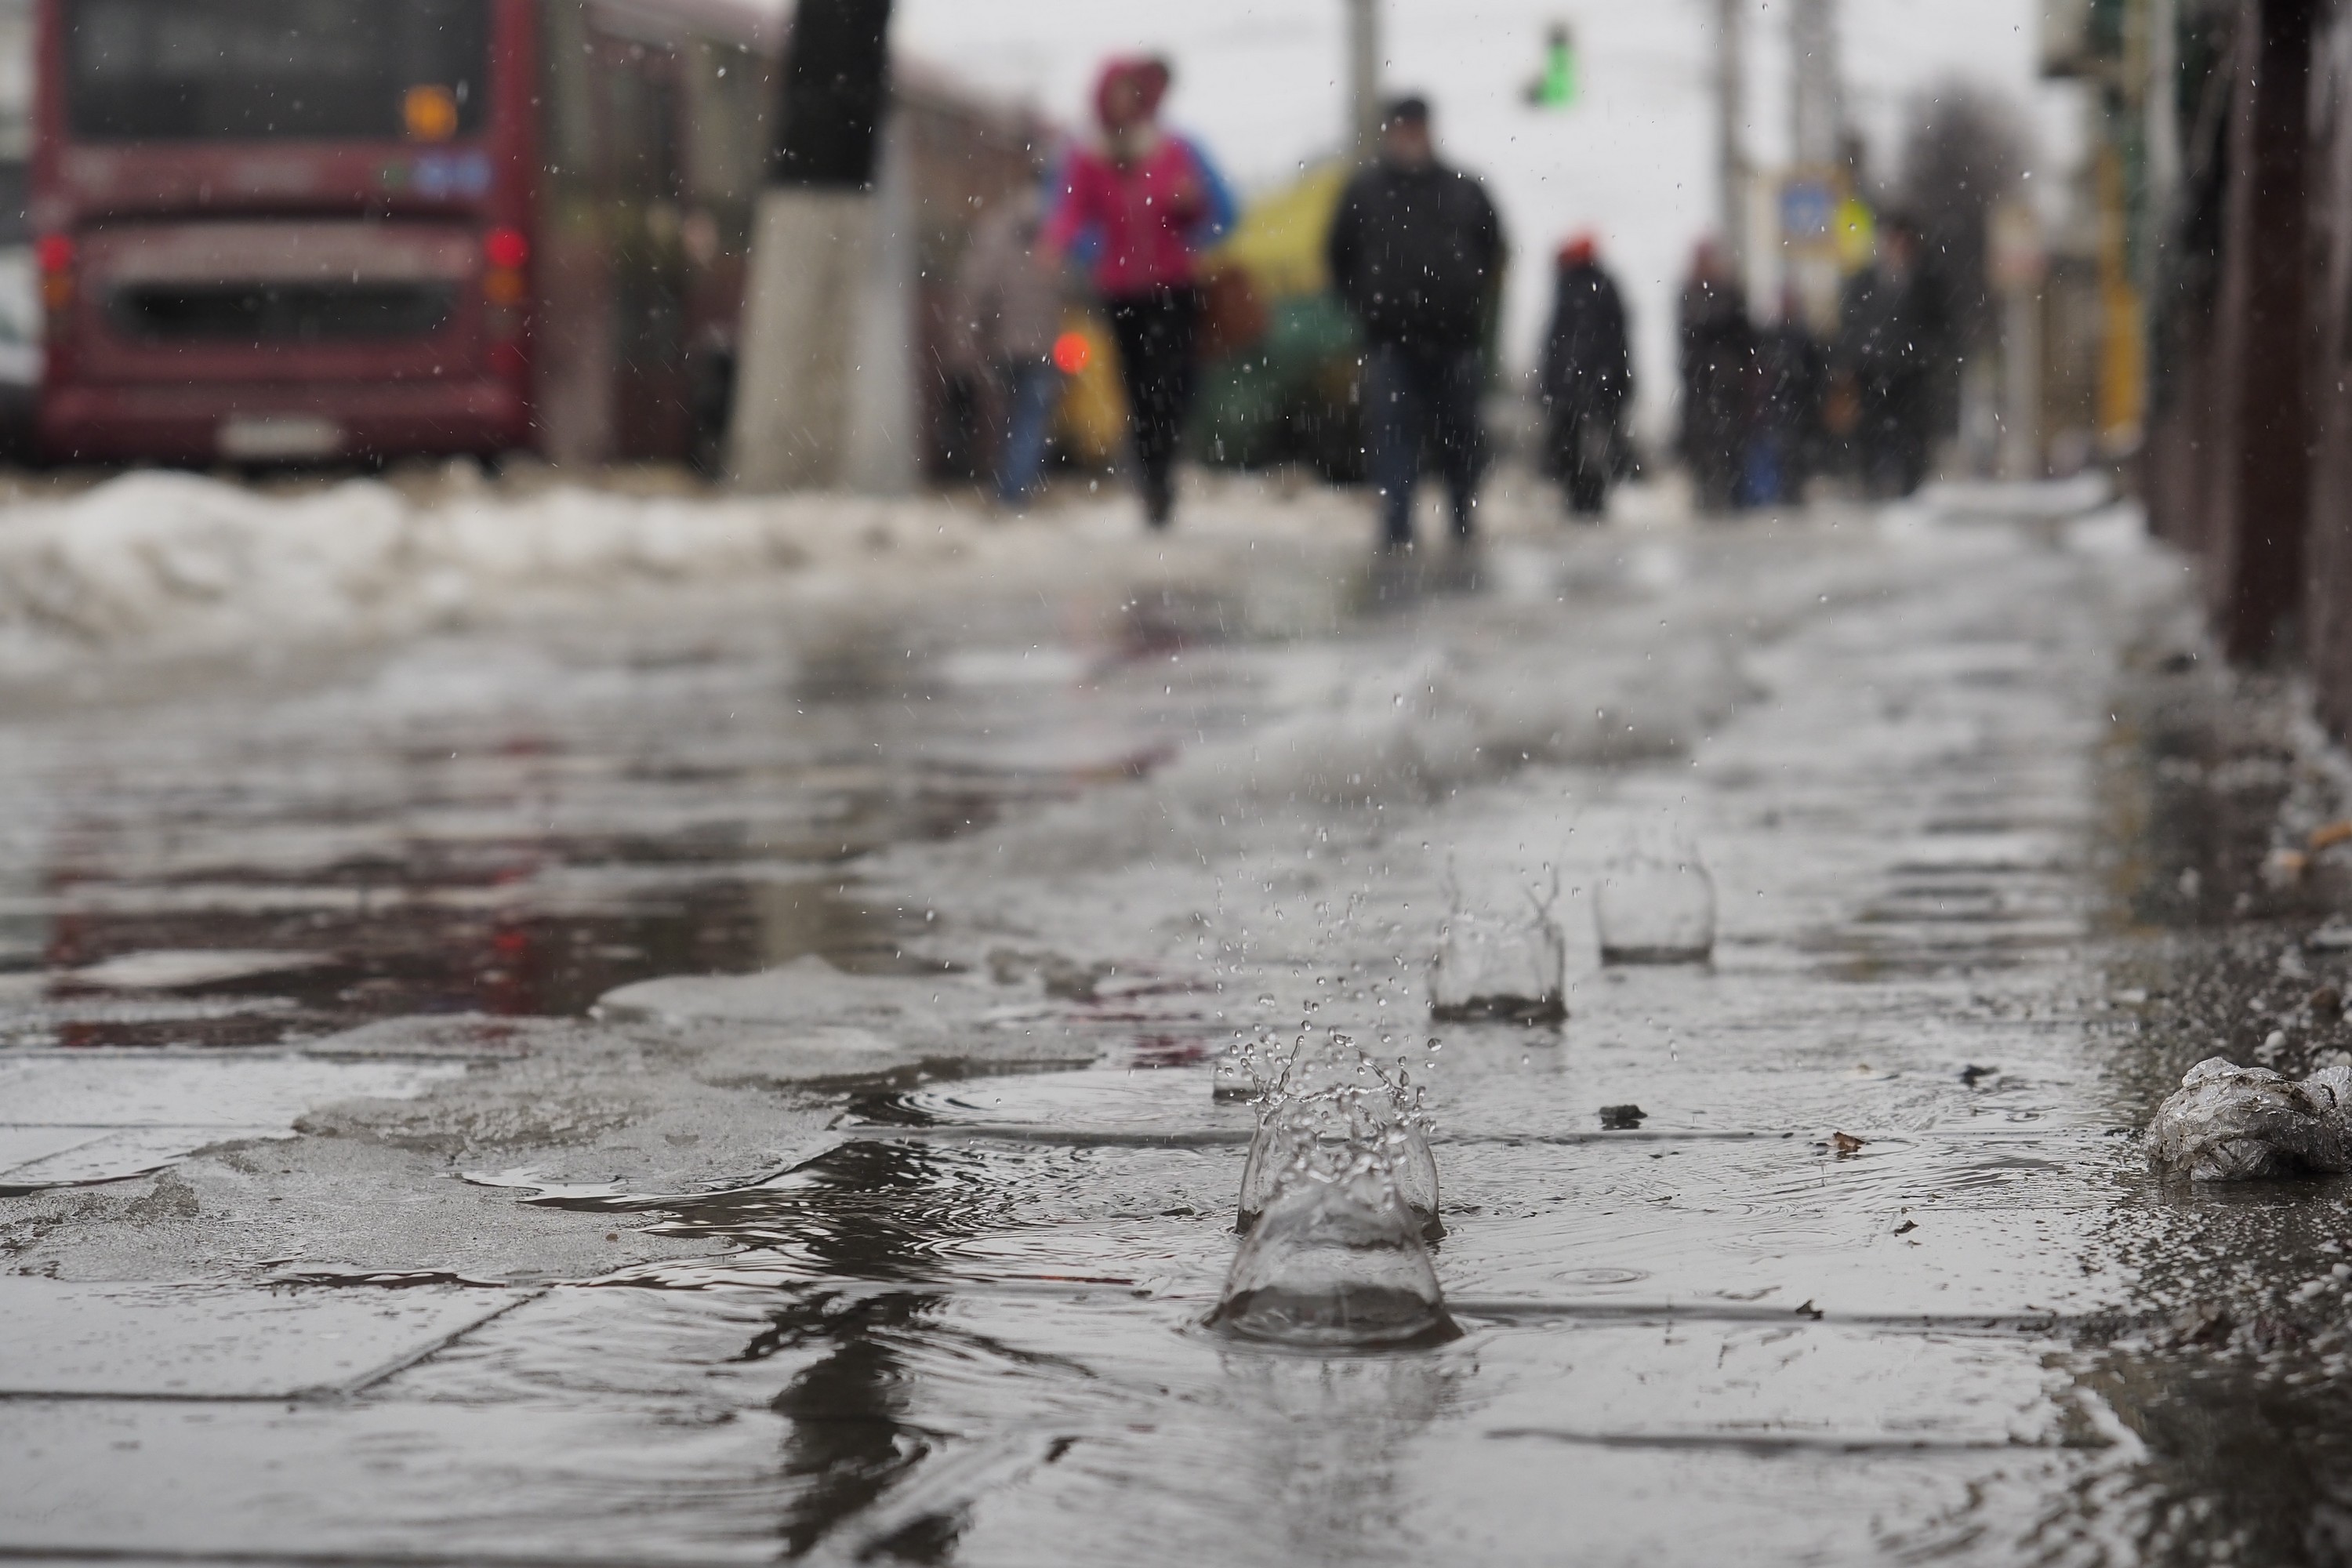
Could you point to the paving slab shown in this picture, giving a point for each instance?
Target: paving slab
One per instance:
(21, 1146)
(69, 1119)
(211, 1342)
(127, 1088)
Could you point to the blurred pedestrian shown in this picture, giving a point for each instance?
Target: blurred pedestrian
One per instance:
(1008, 311)
(1718, 374)
(1882, 349)
(1786, 450)
(1416, 252)
(1139, 207)
(1587, 377)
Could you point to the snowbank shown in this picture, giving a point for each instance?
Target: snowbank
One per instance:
(166, 564)
(169, 561)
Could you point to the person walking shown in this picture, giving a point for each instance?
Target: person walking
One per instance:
(1718, 374)
(1416, 252)
(1587, 377)
(1787, 447)
(1008, 311)
(1140, 206)
(1881, 345)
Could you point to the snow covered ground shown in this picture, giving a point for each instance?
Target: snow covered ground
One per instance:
(154, 565)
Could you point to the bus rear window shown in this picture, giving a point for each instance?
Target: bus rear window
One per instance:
(208, 70)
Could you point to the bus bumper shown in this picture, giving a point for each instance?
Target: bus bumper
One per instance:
(309, 422)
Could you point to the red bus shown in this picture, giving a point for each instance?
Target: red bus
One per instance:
(301, 230)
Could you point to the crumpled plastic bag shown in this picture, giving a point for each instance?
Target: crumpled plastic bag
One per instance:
(2228, 1123)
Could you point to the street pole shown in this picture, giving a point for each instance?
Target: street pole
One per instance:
(1817, 109)
(815, 249)
(1817, 127)
(1364, 76)
(1730, 163)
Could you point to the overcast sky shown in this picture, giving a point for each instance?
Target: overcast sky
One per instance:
(1258, 82)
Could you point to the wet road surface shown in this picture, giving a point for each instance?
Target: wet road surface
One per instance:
(718, 1090)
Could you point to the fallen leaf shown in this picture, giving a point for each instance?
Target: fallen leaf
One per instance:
(1906, 1228)
(1846, 1145)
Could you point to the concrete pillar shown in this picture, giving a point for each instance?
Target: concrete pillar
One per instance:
(793, 367)
(882, 446)
(817, 232)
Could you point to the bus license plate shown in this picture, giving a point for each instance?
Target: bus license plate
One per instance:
(279, 436)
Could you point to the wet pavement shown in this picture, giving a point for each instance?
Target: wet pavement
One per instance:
(734, 1085)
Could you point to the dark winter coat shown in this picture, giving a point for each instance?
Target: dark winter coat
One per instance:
(1878, 328)
(1417, 254)
(1719, 366)
(1588, 362)
(1796, 381)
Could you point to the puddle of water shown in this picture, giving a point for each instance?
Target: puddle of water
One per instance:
(974, 1326)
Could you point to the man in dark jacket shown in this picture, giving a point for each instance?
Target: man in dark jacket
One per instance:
(1416, 251)
(1588, 377)
(1882, 342)
(1720, 375)
(1788, 445)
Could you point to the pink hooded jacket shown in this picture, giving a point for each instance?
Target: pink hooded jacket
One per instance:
(1139, 225)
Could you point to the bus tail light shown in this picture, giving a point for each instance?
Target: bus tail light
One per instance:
(506, 295)
(506, 248)
(55, 255)
(504, 251)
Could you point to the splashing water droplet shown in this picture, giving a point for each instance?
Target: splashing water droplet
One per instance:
(1337, 1261)
(1655, 904)
(1501, 956)
(1342, 1159)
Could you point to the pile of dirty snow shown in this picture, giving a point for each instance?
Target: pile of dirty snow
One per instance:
(167, 562)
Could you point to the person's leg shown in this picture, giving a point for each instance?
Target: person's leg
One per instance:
(1032, 389)
(1882, 458)
(1180, 375)
(1456, 385)
(1913, 408)
(1135, 326)
(1176, 374)
(1155, 334)
(1589, 461)
(1392, 434)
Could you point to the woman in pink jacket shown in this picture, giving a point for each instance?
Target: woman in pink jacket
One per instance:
(1137, 211)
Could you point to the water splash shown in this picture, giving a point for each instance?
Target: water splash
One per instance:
(1655, 904)
(1339, 1198)
(1496, 963)
(1336, 1261)
(1375, 1116)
